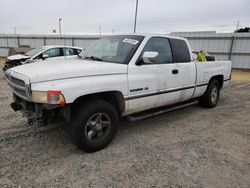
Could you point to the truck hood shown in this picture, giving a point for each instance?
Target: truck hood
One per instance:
(56, 70)
(18, 57)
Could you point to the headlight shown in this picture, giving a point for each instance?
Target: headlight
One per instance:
(48, 97)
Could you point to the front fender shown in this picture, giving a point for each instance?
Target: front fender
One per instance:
(76, 87)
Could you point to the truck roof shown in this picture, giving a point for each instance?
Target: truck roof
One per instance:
(151, 35)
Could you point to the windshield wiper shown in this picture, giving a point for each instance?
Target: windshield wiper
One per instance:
(94, 58)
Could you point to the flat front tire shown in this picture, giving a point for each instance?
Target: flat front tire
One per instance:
(94, 125)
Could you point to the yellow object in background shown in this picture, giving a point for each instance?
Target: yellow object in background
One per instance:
(201, 56)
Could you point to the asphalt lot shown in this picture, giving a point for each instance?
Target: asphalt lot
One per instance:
(191, 147)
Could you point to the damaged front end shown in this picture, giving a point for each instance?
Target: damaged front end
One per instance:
(13, 63)
(40, 114)
(33, 105)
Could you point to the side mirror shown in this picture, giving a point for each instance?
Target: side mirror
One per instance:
(150, 57)
(44, 56)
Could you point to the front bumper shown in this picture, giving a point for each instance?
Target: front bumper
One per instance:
(38, 113)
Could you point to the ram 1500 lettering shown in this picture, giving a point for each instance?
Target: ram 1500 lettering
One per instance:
(117, 76)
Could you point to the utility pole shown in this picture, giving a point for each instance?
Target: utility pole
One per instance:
(237, 27)
(100, 30)
(60, 32)
(233, 41)
(136, 7)
(15, 30)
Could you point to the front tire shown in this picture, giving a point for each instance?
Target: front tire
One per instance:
(211, 96)
(94, 125)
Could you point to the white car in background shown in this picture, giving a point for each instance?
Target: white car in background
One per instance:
(42, 53)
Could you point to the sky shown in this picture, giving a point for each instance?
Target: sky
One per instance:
(117, 16)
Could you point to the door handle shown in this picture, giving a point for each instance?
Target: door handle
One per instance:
(175, 71)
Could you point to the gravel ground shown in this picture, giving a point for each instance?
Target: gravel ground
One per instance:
(191, 147)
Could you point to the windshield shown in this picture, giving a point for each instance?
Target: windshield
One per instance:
(34, 51)
(114, 49)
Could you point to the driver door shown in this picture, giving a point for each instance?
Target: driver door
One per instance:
(150, 84)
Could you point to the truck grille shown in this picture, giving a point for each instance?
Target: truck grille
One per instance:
(18, 82)
(18, 86)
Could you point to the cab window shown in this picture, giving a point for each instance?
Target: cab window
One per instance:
(162, 46)
(68, 51)
(55, 52)
(180, 51)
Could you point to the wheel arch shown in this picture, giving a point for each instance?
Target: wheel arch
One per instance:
(115, 98)
(219, 78)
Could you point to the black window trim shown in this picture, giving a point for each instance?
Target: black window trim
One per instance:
(61, 52)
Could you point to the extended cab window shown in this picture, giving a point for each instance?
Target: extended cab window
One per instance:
(162, 46)
(180, 50)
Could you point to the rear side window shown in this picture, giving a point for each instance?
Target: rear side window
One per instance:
(77, 51)
(68, 51)
(180, 50)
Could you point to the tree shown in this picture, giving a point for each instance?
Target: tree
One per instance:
(243, 30)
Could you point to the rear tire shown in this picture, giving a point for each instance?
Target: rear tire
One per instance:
(211, 96)
(94, 125)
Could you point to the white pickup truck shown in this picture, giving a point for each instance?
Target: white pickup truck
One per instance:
(117, 76)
